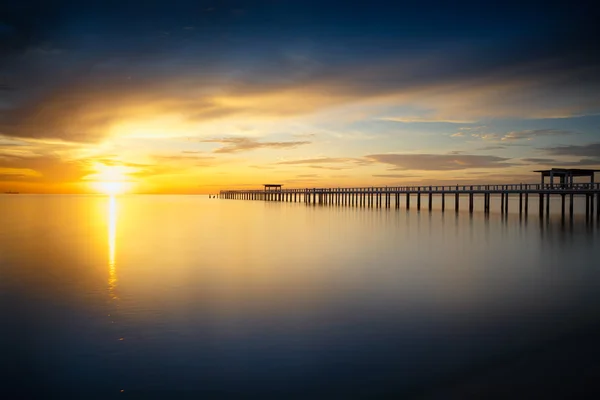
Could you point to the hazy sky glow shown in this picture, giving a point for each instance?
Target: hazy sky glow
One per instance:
(193, 97)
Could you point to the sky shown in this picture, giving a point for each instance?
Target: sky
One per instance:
(200, 96)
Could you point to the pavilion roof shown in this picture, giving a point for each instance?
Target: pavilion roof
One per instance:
(568, 171)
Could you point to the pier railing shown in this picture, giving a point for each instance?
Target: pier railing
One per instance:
(519, 187)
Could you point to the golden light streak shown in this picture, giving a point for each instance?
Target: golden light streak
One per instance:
(112, 232)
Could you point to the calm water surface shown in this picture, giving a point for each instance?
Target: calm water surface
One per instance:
(175, 296)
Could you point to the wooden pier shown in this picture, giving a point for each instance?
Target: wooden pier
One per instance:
(394, 196)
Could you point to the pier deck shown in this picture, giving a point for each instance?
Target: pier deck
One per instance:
(394, 196)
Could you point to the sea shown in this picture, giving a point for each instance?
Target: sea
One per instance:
(186, 296)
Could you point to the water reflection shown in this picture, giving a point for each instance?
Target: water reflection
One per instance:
(112, 230)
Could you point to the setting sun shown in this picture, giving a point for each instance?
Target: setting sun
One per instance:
(111, 188)
(110, 179)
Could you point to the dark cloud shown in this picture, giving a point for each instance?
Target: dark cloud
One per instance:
(534, 133)
(234, 145)
(439, 162)
(586, 150)
(79, 69)
(563, 163)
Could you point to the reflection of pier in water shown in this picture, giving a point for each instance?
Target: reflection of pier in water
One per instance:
(389, 196)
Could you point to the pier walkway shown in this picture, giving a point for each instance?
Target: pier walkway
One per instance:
(389, 196)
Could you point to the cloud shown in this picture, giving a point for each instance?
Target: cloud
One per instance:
(12, 174)
(46, 169)
(304, 135)
(539, 160)
(262, 166)
(458, 134)
(326, 160)
(590, 161)
(487, 148)
(586, 150)
(234, 145)
(439, 162)
(394, 176)
(485, 136)
(411, 120)
(83, 92)
(321, 160)
(329, 167)
(535, 133)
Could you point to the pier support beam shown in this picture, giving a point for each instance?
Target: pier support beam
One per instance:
(571, 198)
(456, 201)
(471, 203)
(520, 203)
(430, 199)
(443, 201)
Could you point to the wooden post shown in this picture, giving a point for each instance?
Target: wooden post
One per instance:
(520, 203)
(471, 202)
(587, 206)
(485, 203)
(506, 204)
(456, 201)
(502, 202)
(571, 197)
(419, 199)
(526, 203)
(562, 206)
(408, 200)
(443, 200)
(430, 199)
(541, 204)
(548, 205)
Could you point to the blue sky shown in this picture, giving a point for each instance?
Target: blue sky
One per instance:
(191, 97)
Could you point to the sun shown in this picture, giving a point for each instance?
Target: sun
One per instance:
(111, 188)
(110, 179)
